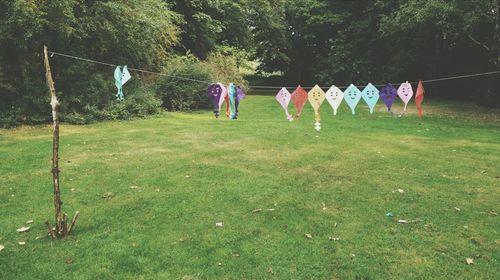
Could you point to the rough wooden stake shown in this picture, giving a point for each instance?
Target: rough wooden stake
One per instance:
(61, 220)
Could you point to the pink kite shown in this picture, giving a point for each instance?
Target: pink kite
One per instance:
(405, 92)
(299, 99)
(419, 98)
(284, 97)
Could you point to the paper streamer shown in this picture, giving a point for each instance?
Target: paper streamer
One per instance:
(334, 96)
(283, 97)
(419, 98)
(232, 101)
(316, 97)
(299, 99)
(215, 93)
(388, 95)
(370, 95)
(405, 92)
(352, 95)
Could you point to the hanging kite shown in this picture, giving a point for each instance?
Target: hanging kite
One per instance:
(215, 93)
(370, 95)
(232, 101)
(283, 97)
(419, 98)
(299, 99)
(316, 97)
(405, 92)
(352, 95)
(388, 95)
(334, 96)
(223, 98)
(120, 79)
(240, 94)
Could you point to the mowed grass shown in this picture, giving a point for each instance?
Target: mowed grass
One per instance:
(192, 171)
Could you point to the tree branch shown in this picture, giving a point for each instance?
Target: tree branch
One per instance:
(478, 43)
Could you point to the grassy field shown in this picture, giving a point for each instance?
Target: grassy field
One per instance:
(193, 171)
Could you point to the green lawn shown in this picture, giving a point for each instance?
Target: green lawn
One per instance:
(193, 171)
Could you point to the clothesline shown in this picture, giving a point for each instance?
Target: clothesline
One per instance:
(52, 53)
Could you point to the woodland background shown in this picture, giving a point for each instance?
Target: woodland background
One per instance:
(276, 42)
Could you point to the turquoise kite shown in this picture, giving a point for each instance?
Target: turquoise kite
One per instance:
(352, 95)
(120, 79)
(370, 95)
(232, 93)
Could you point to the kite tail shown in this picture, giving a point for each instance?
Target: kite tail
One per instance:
(420, 113)
(404, 110)
(334, 112)
(317, 118)
(288, 116)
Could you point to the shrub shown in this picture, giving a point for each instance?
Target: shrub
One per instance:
(184, 94)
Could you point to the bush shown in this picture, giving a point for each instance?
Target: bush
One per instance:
(189, 94)
(183, 94)
(140, 101)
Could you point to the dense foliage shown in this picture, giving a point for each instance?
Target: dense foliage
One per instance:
(308, 41)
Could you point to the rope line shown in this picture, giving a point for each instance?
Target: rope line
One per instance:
(131, 69)
(260, 86)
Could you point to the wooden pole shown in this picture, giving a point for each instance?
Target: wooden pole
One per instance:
(61, 228)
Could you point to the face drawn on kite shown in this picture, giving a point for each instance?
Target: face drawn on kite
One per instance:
(283, 97)
(215, 93)
(334, 96)
(388, 95)
(405, 92)
(316, 97)
(371, 95)
(352, 95)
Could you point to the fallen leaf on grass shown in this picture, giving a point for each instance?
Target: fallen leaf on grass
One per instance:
(1, 248)
(41, 237)
(270, 270)
(219, 224)
(403, 222)
(469, 261)
(324, 206)
(309, 236)
(22, 243)
(257, 210)
(187, 176)
(29, 222)
(107, 195)
(133, 187)
(399, 191)
(23, 229)
(457, 209)
(69, 260)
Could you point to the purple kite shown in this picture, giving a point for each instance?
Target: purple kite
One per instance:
(388, 95)
(214, 93)
(240, 94)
